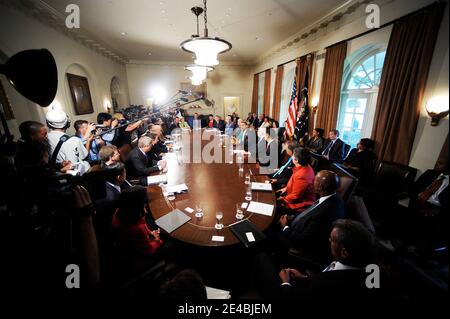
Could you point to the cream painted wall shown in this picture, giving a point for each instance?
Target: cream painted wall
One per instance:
(428, 140)
(20, 32)
(225, 80)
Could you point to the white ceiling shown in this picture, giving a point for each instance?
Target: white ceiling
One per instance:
(159, 26)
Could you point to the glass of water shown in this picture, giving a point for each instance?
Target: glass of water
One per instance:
(239, 212)
(199, 210)
(219, 216)
(247, 179)
(249, 193)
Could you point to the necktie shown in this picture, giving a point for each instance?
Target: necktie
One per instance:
(283, 167)
(327, 150)
(300, 216)
(433, 188)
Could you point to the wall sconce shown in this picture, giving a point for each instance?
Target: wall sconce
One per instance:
(314, 104)
(437, 109)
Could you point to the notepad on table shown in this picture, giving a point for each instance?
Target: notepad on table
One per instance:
(260, 208)
(261, 187)
(172, 220)
(214, 293)
(156, 179)
(176, 188)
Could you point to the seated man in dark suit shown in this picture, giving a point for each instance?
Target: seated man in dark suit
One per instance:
(175, 124)
(219, 123)
(425, 223)
(159, 148)
(138, 163)
(269, 153)
(334, 147)
(351, 247)
(281, 177)
(309, 231)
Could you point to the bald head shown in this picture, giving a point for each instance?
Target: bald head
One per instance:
(326, 183)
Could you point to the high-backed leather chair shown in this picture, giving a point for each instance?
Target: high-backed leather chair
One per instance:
(390, 181)
(347, 182)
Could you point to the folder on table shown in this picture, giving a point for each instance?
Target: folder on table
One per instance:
(172, 220)
(247, 232)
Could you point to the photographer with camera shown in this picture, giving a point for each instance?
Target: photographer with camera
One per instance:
(85, 131)
(63, 147)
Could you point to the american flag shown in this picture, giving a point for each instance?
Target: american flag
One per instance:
(292, 112)
(301, 127)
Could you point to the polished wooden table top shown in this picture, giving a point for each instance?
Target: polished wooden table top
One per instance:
(218, 187)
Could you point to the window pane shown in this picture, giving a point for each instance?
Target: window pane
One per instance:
(348, 118)
(380, 60)
(361, 107)
(369, 64)
(351, 105)
(358, 121)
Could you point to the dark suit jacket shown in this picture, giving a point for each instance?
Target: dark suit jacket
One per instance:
(256, 123)
(311, 233)
(276, 147)
(337, 151)
(331, 285)
(220, 125)
(315, 145)
(138, 164)
(284, 176)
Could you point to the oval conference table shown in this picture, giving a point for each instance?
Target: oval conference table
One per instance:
(217, 186)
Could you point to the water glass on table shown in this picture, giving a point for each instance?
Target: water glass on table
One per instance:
(219, 216)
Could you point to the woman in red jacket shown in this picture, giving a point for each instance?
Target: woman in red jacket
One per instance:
(135, 244)
(299, 193)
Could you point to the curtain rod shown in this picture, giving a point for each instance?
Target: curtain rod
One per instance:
(387, 23)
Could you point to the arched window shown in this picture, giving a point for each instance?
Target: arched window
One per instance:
(361, 79)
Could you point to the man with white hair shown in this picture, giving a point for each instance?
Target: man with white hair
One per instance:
(138, 164)
(64, 147)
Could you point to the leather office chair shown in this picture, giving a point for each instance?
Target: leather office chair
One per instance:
(347, 182)
(391, 180)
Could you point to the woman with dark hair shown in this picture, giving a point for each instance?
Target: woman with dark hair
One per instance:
(361, 160)
(316, 141)
(299, 193)
(135, 243)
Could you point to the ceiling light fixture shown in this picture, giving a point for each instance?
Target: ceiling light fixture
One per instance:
(199, 73)
(206, 48)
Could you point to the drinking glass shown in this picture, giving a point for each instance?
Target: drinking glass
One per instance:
(239, 212)
(199, 210)
(249, 193)
(247, 179)
(219, 216)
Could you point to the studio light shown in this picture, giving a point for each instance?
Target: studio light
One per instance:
(33, 74)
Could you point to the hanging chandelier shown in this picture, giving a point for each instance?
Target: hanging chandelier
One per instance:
(199, 73)
(206, 49)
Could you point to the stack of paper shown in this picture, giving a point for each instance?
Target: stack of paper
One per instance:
(214, 293)
(260, 208)
(156, 179)
(177, 188)
(172, 220)
(261, 186)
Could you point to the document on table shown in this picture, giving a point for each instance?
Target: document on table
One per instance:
(260, 208)
(172, 220)
(176, 188)
(156, 179)
(261, 186)
(218, 238)
(214, 293)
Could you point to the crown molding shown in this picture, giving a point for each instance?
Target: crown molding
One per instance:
(42, 12)
(332, 18)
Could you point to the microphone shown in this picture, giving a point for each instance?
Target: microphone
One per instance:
(207, 102)
(183, 99)
(183, 92)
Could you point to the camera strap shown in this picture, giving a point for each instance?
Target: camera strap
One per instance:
(61, 141)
